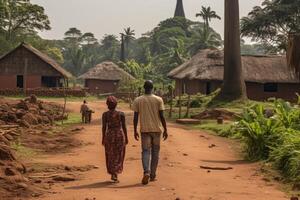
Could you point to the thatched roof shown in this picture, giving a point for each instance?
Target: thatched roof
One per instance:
(106, 71)
(209, 65)
(52, 63)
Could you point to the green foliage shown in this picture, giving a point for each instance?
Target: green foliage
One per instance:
(286, 157)
(259, 133)
(56, 54)
(273, 138)
(19, 17)
(272, 22)
(207, 14)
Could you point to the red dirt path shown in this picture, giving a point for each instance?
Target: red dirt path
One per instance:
(179, 173)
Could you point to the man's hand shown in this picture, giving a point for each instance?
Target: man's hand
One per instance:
(165, 135)
(136, 136)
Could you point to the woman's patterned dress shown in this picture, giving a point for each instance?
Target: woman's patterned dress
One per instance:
(114, 143)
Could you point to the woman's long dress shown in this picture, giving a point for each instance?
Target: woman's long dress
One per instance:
(114, 143)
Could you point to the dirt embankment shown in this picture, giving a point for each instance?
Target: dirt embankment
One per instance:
(28, 125)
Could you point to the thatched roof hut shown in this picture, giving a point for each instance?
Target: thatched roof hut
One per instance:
(209, 65)
(105, 77)
(106, 71)
(267, 74)
(40, 71)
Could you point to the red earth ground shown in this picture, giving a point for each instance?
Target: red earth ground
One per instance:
(179, 173)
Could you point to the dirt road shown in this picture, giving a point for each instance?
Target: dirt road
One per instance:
(179, 174)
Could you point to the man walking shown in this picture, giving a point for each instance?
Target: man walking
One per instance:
(149, 109)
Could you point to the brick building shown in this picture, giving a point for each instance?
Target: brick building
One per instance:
(27, 67)
(265, 76)
(104, 78)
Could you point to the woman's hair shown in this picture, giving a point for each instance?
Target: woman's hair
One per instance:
(111, 102)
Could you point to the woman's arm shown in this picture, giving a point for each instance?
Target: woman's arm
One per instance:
(104, 128)
(123, 120)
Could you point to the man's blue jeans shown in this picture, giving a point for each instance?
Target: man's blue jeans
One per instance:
(150, 152)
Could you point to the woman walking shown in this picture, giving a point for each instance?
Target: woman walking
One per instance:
(114, 138)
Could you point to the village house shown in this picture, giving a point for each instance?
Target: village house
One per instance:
(105, 78)
(27, 67)
(265, 76)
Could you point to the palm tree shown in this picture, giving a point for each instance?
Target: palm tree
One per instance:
(126, 38)
(204, 39)
(207, 15)
(122, 56)
(234, 87)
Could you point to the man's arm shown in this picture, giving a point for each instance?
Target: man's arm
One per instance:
(135, 123)
(164, 124)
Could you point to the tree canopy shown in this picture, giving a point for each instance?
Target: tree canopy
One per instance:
(272, 22)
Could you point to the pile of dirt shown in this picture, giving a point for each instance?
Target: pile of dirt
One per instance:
(12, 174)
(28, 123)
(29, 111)
(215, 114)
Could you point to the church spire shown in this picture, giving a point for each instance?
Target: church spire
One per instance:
(179, 12)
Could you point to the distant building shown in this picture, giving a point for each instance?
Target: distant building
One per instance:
(104, 78)
(41, 70)
(179, 11)
(265, 76)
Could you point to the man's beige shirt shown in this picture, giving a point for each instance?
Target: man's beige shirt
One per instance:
(148, 107)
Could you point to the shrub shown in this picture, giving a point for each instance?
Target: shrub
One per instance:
(286, 157)
(259, 133)
(275, 139)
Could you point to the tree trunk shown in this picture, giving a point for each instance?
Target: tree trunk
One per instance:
(179, 12)
(122, 57)
(293, 52)
(234, 87)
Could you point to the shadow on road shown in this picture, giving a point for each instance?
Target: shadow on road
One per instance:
(106, 184)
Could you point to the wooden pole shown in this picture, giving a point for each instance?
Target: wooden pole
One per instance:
(171, 105)
(65, 101)
(188, 107)
(180, 104)
(25, 77)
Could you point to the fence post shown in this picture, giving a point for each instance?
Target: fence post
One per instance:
(171, 105)
(180, 104)
(188, 107)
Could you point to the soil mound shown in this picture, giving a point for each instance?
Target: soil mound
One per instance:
(29, 119)
(215, 114)
(29, 111)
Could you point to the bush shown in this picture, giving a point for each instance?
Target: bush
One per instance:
(286, 157)
(273, 138)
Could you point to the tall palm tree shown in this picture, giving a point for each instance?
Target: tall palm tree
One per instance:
(234, 87)
(122, 55)
(204, 39)
(126, 38)
(207, 15)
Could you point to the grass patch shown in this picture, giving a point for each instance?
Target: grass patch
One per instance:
(22, 151)
(73, 118)
(224, 130)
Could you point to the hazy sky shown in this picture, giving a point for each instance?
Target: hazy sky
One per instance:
(111, 16)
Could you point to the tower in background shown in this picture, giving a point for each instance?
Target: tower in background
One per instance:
(179, 12)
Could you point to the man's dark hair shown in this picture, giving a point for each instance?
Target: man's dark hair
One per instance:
(84, 101)
(148, 86)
